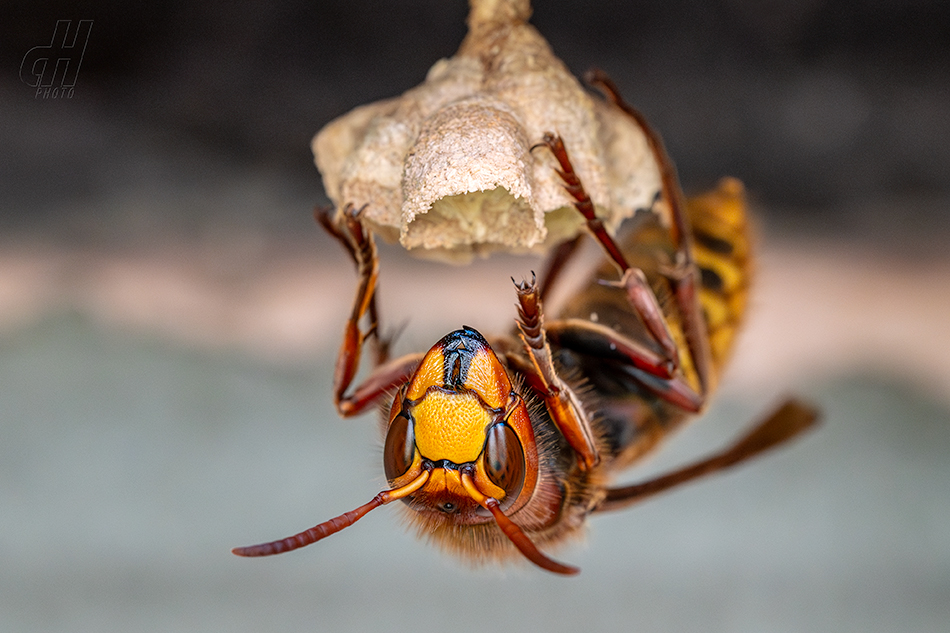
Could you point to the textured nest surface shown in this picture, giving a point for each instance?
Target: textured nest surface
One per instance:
(448, 167)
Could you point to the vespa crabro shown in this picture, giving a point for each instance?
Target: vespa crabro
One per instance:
(506, 445)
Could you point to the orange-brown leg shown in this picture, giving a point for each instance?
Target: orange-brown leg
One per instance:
(600, 341)
(561, 401)
(683, 274)
(785, 423)
(347, 228)
(358, 247)
(639, 293)
(381, 382)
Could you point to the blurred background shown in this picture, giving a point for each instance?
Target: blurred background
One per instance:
(169, 315)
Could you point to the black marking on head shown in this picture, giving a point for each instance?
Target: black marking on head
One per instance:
(458, 349)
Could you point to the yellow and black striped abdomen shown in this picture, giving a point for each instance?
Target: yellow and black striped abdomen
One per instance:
(721, 248)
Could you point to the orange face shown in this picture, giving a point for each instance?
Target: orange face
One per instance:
(460, 450)
(459, 415)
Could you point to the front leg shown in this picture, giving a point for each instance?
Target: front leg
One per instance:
(348, 229)
(562, 403)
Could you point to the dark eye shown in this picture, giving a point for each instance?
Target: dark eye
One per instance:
(504, 460)
(400, 448)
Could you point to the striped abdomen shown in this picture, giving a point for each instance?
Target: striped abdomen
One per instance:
(634, 418)
(721, 248)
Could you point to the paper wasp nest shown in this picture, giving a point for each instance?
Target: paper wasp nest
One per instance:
(447, 168)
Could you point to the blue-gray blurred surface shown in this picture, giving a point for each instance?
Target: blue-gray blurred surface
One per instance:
(129, 467)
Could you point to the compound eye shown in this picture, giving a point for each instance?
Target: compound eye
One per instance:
(504, 460)
(400, 448)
